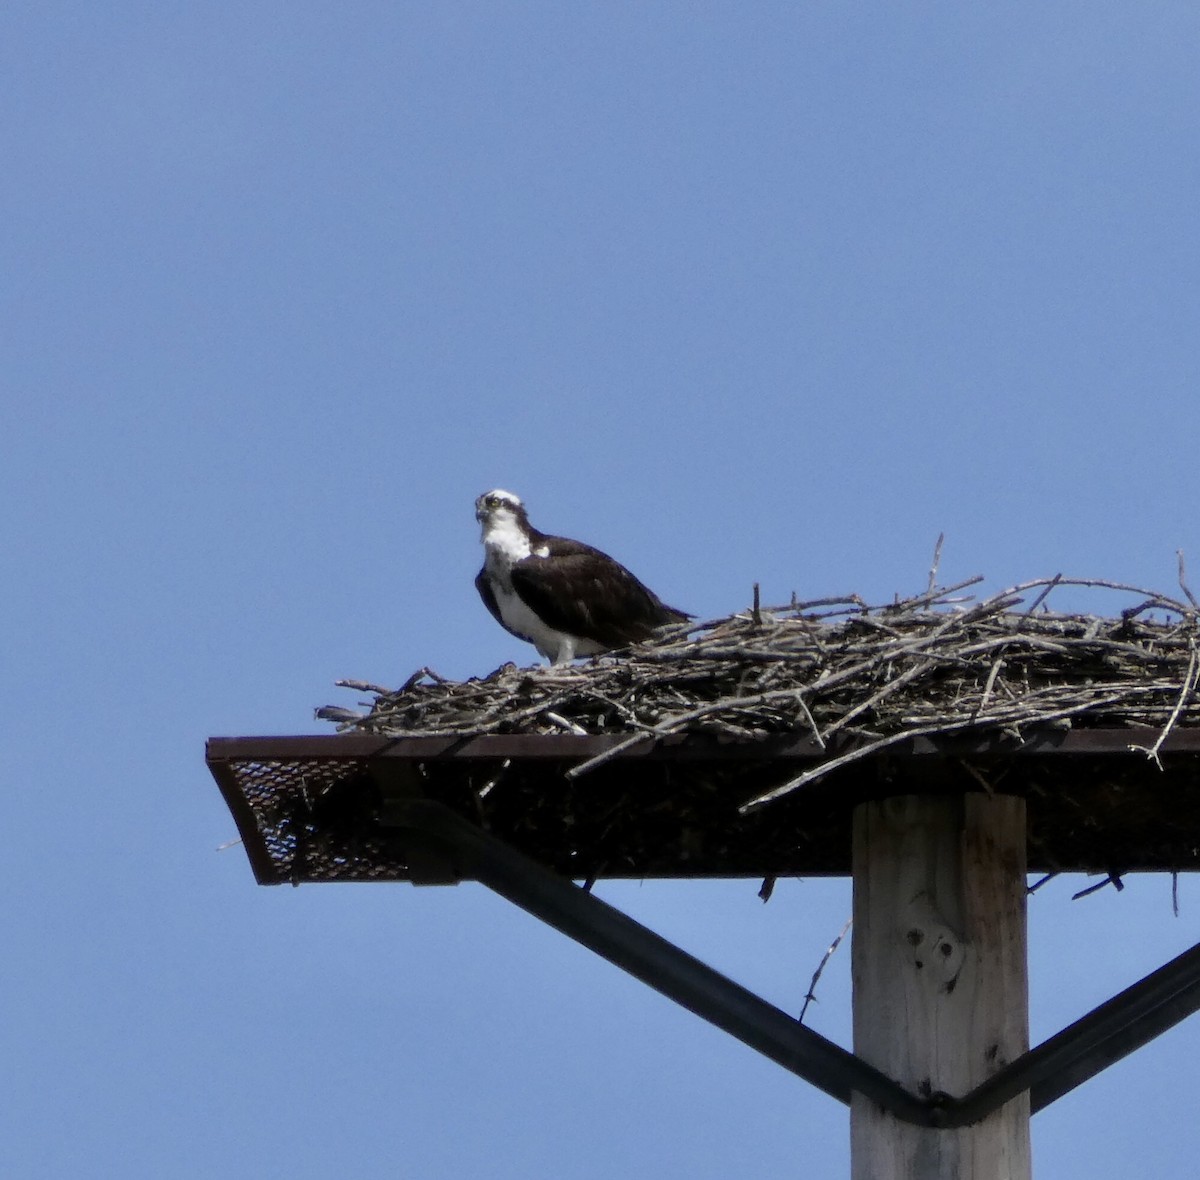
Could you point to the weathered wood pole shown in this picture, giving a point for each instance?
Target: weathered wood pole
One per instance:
(941, 997)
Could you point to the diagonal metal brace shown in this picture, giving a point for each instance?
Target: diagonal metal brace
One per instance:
(1114, 1029)
(1058, 1065)
(651, 958)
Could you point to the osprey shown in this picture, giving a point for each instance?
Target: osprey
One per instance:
(563, 596)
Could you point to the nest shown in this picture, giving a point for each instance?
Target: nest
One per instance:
(937, 664)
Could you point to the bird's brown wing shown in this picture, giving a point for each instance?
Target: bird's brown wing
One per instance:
(583, 592)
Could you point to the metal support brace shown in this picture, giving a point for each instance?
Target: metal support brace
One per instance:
(1064, 1061)
(1113, 1030)
(650, 958)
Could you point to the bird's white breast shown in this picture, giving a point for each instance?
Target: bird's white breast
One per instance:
(504, 544)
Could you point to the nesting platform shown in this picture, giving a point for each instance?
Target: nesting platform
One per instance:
(307, 808)
(740, 746)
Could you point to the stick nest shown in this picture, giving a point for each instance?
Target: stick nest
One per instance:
(939, 663)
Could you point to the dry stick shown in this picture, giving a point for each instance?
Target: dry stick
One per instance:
(1156, 599)
(925, 599)
(894, 685)
(1131, 612)
(563, 723)
(809, 604)
(738, 651)
(812, 721)
(1010, 639)
(811, 631)
(850, 756)
(989, 685)
(490, 785)
(1040, 705)
(894, 629)
(1183, 580)
(366, 686)
(937, 557)
(1054, 581)
(873, 747)
(812, 987)
(1189, 683)
(624, 710)
(344, 717)
(669, 726)
(1113, 879)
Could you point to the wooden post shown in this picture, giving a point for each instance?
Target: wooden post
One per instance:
(940, 982)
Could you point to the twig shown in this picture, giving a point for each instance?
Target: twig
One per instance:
(812, 987)
(339, 715)
(1160, 600)
(367, 686)
(1183, 580)
(612, 752)
(490, 785)
(873, 747)
(932, 596)
(563, 723)
(893, 686)
(812, 721)
(1189, 683)
(1113, 879)
(1054, 581)
(802, 780)
(937, 558)
(989, 684)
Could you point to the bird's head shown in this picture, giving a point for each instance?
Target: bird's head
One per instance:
(498, 509)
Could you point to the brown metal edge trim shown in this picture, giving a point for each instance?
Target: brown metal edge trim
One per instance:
(569, 746)
(274, 747)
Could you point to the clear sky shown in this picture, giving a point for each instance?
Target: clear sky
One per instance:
(738, 292)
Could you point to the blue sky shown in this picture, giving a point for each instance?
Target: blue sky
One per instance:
(739, 293)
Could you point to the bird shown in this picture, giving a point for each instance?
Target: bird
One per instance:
(566, 598)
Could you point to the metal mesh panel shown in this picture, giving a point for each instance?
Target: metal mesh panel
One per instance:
(310, 820)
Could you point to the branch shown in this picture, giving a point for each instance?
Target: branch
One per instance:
(933, 569)
(812, 987)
